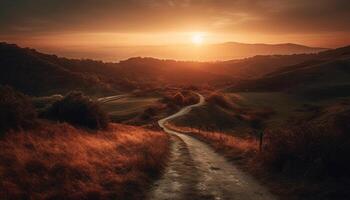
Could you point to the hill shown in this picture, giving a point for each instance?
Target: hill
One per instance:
(36, 73)
(326, 74)
(39, 74)
(169, 71)
(256, 66)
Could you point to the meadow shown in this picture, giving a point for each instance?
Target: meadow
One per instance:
(127, 108)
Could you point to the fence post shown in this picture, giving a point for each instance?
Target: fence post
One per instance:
(261, 136)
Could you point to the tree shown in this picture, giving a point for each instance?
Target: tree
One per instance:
(78, 109)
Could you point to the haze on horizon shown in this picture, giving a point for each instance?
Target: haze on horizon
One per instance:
(116, 29)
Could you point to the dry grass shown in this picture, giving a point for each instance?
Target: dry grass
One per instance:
(234, 148)
(16, 110)
(304, 162)
(58, 161)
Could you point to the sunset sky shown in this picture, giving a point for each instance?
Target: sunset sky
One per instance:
(67, 25)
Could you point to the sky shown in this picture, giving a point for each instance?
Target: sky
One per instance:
(78, 25)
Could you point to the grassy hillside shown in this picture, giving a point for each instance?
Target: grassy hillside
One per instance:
(305, 142)
(41, 159)
(326, 76)
(57, 161)
(127, 108)
(146, 108)
(35, 73)
(257, 66)
(226, 114)
(39, 74)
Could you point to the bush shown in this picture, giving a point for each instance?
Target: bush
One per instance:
(172, 99)
(77, 109)
(16, 110)
(183, 98)
(149, 112)
(219, 100)
(179, 98)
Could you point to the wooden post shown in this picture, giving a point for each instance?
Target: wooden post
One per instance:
(261, 136)
(258, 125)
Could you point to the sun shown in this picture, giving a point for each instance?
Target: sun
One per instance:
(197, 38)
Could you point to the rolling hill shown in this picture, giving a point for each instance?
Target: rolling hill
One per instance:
(36, 73)
(327, 74)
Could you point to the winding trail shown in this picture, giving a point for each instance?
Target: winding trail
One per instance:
(196, 172)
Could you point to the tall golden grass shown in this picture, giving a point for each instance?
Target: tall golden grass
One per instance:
(57, 161)
(231, 146)
(301, 162)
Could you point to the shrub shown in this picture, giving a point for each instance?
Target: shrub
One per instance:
(78, 109)
(179, 99)
(149, 112)
(176, 99)
(16, 110)
(219, 100)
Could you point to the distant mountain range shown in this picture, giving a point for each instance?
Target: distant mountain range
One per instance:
(220, 52)
(187, 52)
(232, 50)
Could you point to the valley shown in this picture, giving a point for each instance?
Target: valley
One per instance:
(247, 129)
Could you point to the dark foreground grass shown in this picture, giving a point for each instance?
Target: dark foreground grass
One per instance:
(57, 161)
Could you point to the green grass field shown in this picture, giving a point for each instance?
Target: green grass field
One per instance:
(127, 108)
(283, 105)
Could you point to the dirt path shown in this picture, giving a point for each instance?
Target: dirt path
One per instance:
(195, 171)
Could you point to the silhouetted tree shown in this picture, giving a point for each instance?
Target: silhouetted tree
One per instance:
(78, 109)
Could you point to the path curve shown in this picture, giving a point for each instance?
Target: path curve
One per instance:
(195, 171)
